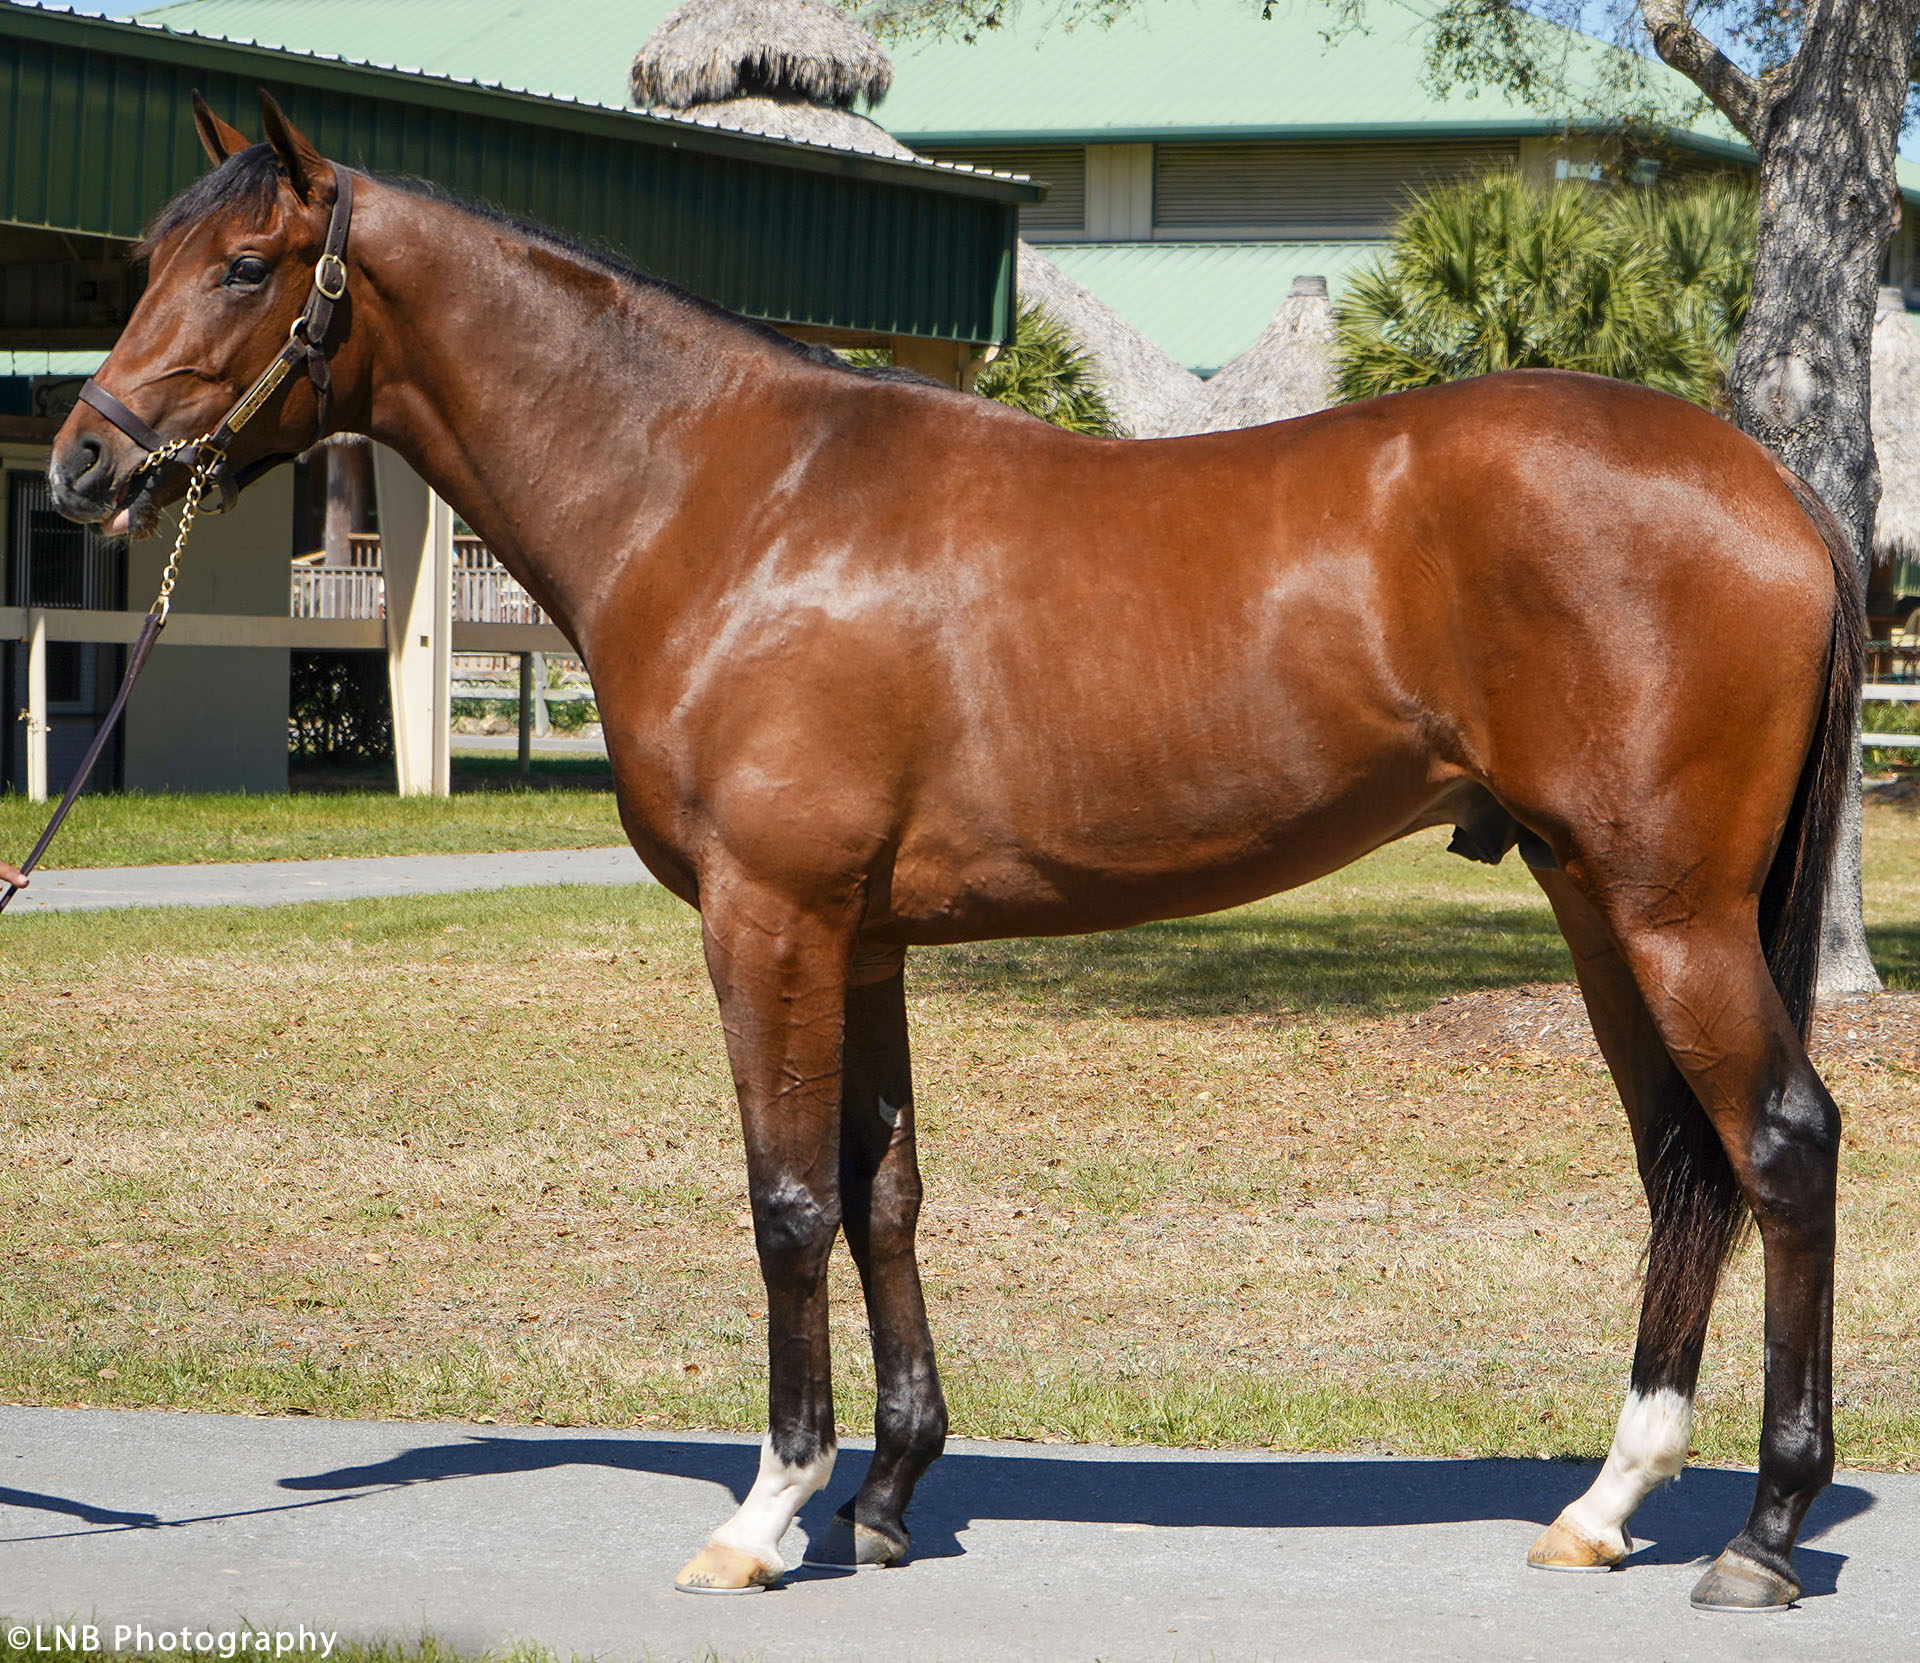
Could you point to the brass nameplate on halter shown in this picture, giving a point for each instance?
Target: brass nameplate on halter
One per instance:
(258, 393)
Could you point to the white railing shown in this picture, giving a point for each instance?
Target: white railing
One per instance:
(337, 592)
(484, 592)
(1890, 692)
(489, 595)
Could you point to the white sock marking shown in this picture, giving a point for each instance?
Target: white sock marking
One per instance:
(778, 1493)
(1649, 1447)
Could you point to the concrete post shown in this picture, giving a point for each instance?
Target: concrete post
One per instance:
(416, 551)
(36, 706)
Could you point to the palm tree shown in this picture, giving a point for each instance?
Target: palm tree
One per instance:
(1498, 273)
(1044, 371)
(1047, 374)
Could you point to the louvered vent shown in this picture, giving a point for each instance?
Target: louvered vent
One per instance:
(1306, 189)
(1062, 168)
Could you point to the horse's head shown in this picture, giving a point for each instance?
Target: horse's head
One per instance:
(232, 263)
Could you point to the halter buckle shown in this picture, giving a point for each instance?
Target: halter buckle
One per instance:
(329, 265)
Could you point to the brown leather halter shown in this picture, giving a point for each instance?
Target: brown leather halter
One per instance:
(307, 339)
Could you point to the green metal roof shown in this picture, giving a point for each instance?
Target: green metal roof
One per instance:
(95, 133)
(1204, 302)
(1197, 67)
(1164, 69)
(579, 49)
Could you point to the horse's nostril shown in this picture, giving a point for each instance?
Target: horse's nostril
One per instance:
(87, 455)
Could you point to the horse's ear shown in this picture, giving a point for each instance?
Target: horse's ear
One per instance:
(218, 138)
(299, 161)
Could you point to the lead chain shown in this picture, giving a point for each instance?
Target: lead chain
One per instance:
(204, 466)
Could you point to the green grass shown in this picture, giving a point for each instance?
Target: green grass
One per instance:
(134, 829)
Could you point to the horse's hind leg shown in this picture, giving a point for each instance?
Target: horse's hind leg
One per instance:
(1694, 1202)
(780, 969)
(1695, 955)
(880, 1195)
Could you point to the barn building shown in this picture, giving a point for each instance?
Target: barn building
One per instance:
(824, 242)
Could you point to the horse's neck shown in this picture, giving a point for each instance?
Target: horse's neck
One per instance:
(556, 406)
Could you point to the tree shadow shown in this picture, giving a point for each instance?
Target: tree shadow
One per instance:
(1359, 960)
(1896, 953)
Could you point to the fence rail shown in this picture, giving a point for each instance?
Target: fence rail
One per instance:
(484, 591)
(1890, 692)
(338, 592)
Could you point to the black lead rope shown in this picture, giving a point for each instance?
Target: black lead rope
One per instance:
(149, 633)
(306, 342)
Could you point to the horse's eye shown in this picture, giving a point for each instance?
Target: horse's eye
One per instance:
(247, 272)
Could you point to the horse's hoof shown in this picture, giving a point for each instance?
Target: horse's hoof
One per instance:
(846, 1542)
(1562, 1548)
(1736, 1583)
(716, 1569)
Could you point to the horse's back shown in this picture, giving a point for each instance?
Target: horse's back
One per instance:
(1294, 643)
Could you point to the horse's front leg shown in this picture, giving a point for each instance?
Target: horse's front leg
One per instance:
(780, 970)
(880, 1181)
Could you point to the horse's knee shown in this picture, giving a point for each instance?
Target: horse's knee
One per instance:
(794, 1226)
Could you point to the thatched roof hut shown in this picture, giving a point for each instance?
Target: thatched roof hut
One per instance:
(796, 119)
(790, 69)
(711, 51)
(1152, 394)
(1288, 371)
(1896, 427)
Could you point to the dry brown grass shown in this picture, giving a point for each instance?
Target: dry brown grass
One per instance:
(1337, 1171)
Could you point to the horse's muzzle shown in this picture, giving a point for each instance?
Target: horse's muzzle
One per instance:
(82, 479)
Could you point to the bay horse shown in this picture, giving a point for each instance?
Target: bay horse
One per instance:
(883, 664)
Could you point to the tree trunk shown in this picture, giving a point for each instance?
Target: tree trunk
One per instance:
(349, 465)
(1825, 128)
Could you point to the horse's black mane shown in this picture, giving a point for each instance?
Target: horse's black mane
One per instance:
(248, 181)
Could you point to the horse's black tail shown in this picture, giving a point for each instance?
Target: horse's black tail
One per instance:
(1699, 1214)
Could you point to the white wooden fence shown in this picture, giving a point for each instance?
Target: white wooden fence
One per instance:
(1891, 692)
(484, 592)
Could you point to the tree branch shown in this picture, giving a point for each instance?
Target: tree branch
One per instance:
(1734, 92)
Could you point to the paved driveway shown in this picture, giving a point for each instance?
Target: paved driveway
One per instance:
(487, 1535)
(264, 883)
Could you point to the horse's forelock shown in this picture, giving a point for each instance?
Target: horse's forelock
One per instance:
(246, 183)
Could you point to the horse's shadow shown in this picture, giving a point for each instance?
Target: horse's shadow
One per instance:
(1688, 1521)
